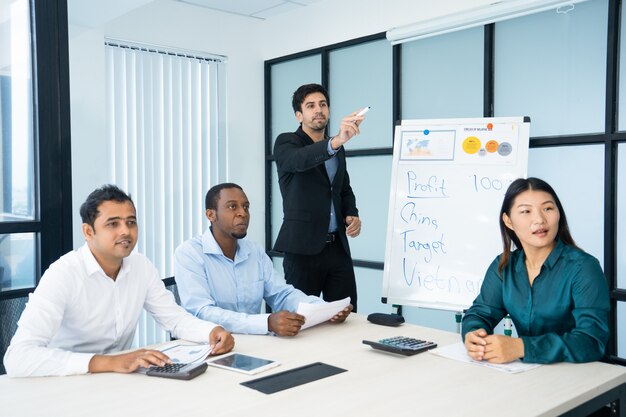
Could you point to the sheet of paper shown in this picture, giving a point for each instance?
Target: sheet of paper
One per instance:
(319, 313)
(183, 354)
(457, 352)
(187, 353)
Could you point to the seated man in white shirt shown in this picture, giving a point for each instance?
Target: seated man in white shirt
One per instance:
(88, 302)
(224, 278)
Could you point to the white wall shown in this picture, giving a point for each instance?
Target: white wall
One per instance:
(89, 141)
(182, 26)
(247, 42)
(332, 21)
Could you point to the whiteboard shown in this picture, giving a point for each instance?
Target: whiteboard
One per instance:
(448, 181)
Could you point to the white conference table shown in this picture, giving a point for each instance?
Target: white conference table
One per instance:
(375, 384)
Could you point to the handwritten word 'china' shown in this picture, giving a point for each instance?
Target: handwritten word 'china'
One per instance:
(408, 215)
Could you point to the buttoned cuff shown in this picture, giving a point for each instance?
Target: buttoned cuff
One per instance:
(261, 322)
(529, 351)
(198, 333)
(78, 363)
(330, 149)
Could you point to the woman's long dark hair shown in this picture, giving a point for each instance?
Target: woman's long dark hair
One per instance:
(508, 236)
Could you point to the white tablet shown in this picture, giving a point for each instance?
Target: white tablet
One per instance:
(243, 363)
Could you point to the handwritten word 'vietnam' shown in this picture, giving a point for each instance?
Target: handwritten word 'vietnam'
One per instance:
(433, 282)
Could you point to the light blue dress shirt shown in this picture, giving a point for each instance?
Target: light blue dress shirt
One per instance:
(229, 293)
(332, 165)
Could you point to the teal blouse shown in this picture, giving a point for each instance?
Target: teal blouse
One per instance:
(564, 316)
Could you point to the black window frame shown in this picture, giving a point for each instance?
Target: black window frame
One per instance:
(610, 138)
(51, 129)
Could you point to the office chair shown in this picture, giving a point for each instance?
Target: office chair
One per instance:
(170, 284)
(10, 312)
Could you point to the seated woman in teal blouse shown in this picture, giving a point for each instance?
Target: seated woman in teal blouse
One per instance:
(555, 293)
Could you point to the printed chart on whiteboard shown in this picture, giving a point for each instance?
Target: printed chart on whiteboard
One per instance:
(448, 181)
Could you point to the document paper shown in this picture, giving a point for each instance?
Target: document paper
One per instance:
(318, 313)
(187, 353)
(458, 352)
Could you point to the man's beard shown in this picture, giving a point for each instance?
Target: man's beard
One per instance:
(239, 235)
(315, 124)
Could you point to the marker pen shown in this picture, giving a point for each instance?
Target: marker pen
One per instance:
(365, 110)
(508, 331)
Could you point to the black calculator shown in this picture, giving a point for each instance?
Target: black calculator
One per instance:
(406, 346)
(184, 371)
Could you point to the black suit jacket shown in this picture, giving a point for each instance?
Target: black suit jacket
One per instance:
(307, 190)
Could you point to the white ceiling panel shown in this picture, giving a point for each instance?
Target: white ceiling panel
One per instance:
(283, 7)
(244, 7)
(260, 9)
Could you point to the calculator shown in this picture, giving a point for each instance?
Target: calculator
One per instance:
(184, 371)
(406, 346)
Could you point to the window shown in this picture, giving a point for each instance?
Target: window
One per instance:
(17, 169)
(35, 191)
(33, 69)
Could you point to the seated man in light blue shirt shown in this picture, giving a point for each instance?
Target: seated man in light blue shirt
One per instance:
(223, 278)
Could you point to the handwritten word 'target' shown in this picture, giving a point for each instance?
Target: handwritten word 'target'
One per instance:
(433, 187)
(428, 247)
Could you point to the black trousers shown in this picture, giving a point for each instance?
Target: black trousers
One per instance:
(329, 273)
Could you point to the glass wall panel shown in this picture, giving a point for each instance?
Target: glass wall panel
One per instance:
(621, 117)
(370, 178)
(278, 265)
(436, 319)
(442, 76)
(552, 67)
(369, 284)
(621, 216)
(277, 204)
(286, 77)
(361, 76)
(17, 190)
(17, 261)
(577, 175)
(621, 330)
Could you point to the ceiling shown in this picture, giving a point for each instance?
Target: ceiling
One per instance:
(258, 9)
(93, 13)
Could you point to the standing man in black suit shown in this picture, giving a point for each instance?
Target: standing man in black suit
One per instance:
(319, 206)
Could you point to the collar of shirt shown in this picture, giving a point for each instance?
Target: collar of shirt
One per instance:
(211, 247)
(549, 262)
(93, 267)
(302, 134)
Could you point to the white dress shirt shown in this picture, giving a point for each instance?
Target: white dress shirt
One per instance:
(77, 311)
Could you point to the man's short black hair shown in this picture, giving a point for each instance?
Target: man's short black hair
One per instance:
(89, 209)
(304, 90)
(214, 194)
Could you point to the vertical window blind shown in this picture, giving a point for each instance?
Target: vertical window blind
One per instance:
(163, 126)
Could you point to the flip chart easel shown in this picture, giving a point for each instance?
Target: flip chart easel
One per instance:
(448, 180)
